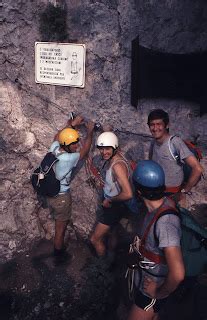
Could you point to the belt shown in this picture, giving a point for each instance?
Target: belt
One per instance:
(61, 193)
(173, 189)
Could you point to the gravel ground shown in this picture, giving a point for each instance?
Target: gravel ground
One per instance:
(33, 287)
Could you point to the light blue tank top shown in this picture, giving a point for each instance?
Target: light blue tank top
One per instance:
(63, 168)
(111, 186)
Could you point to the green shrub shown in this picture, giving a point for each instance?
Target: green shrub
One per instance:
(53, 24)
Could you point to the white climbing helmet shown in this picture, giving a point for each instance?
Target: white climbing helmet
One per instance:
(107, 139)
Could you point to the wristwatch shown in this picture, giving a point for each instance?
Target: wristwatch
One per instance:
(186, 192)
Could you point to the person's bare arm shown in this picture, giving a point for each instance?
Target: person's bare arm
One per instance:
(88, 141)
(121, 174)
(195, 173)
(175, 276)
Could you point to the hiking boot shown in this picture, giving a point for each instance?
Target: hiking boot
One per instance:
(61, 257)
(91, 248)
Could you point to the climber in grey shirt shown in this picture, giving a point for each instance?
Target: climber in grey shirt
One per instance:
(160, 153)
(158, 122)
(167, 231)
(160, 264)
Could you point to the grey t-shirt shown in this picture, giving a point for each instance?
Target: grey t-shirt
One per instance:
(168, 234)
(161, 154)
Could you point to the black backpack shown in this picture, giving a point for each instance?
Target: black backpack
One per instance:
(43, 178)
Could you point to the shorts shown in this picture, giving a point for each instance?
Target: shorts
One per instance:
(111, 216)
(147, 303)
(61, 206)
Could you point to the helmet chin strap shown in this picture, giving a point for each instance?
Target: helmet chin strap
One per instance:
(67, 148)
(114, 153)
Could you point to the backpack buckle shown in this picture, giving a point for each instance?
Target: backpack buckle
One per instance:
(147, 264)
(41, 176)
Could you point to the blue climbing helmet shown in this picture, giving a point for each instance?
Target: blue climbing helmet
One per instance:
(149, 179)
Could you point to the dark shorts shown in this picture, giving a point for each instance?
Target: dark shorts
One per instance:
(111, 216)
(147, 303)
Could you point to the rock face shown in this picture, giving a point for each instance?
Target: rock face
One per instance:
(32, 113)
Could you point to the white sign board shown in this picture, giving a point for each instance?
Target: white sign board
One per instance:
(60, 64)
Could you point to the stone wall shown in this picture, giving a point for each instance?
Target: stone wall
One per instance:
(32, 113)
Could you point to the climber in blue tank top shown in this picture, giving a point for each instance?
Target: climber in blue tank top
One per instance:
(66, 148)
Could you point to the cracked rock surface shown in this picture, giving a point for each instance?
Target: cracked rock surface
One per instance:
(32, 113)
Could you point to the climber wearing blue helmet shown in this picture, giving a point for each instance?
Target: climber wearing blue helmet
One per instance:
(149, 179)
(159, 258)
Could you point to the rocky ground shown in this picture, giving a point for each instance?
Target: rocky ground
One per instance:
(32, 287)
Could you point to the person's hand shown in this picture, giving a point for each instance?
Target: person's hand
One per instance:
(106, 203)
(90, 126)
(107, 127)
(150, 287)
(182, 200)
(78, 120)
(89, 161)
(153, 289)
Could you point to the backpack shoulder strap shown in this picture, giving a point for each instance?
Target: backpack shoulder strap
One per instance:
(48, 161)
(146, 253)
(151, 149)
(173, 151)
(164, 213)
(160, 212)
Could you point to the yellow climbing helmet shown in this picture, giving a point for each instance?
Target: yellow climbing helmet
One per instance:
(68, 136)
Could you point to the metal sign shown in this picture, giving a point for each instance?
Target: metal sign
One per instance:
(60, 64)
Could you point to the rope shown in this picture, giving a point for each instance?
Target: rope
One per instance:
(27, 89)
(134, 133)
(94, 174)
